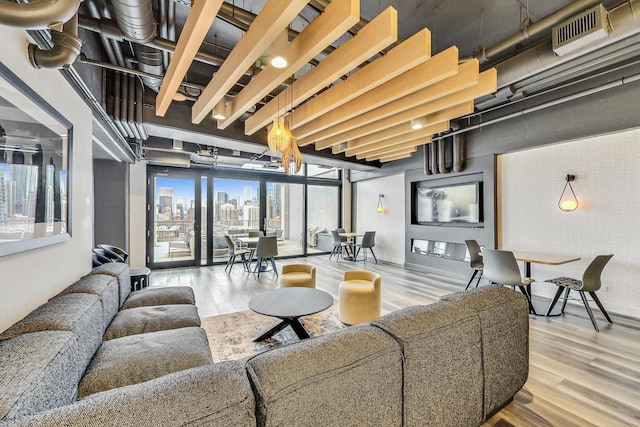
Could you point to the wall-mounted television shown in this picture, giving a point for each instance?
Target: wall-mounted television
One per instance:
(442, 204)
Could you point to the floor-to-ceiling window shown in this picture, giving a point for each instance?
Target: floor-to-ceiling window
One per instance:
(284, 216)
(190, 212)
(173, 220)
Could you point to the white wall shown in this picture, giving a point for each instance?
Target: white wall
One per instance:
(607, 186)
(389, 226)
(30, 278)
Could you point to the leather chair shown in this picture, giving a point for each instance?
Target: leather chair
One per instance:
(501, 267)
(590, 283)
(475, 261)
(359, 297)
(298, 275)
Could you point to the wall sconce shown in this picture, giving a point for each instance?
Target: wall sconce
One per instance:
(380, 205)
(568, 202)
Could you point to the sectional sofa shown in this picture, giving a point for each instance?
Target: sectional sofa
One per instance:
(98, 355)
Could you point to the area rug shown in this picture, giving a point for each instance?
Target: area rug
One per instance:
(231, 335)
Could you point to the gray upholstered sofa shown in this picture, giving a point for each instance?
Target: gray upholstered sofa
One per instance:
(450, 363)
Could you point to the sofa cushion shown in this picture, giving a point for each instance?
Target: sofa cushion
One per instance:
(77, 313)
(160, 296)
(504, 318)
(140, 320)
(137, 358)
(105, 287)
(38, 371)
(350, 377)
(216, 395)
(442, 345)
(119, 270)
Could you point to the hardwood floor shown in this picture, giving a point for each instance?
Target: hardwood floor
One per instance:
(577, 376)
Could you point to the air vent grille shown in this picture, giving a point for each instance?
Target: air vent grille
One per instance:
(580, 31)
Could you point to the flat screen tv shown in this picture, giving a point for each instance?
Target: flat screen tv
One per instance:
(455, 203)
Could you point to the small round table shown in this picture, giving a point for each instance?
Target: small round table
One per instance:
(289, 304)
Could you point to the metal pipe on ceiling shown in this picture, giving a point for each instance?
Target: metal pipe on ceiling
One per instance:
(534, 29)
(38, 14)
(66, 47)
(581, 94)
(623, 21)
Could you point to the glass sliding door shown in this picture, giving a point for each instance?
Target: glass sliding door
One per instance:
(236, 211)
(174, 225)
(323, 215)
(284, 216)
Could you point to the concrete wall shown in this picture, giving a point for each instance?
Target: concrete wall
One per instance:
(30, 278)
(137, 214)
(389, 225)
(607, 181)
(111, 203)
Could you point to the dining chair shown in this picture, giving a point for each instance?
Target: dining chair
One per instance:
(253, 246)
(338, 246)
(267, 250)
(235, 253)
(475, 262)
(501, 267)
(590, 283)
(342, 238)
(368, 242)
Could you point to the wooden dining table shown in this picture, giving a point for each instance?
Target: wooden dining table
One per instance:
(351, 236)
(542, 258)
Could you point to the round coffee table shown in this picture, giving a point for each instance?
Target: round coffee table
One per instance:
(289, 304)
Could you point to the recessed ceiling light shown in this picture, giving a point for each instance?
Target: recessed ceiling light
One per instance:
(279, 62)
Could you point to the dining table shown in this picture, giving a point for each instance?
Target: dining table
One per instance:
(351, 238)
(547, 259)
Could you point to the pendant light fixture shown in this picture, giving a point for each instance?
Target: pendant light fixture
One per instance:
(568, 202)
(279, 137)
(292, 158)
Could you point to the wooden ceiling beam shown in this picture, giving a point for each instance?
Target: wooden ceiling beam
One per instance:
(386, 128)
(393, 150)
(424, 133)
(199, 20)
(435, 69)
(337, 18)
(467, 77)
(396, 156)
(407, 55)
(487, 84)
(274, 18)
(372, 38)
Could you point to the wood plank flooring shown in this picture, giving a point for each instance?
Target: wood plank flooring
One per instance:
(577, 377)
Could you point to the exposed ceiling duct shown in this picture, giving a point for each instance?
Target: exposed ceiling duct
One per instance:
(65, 50)
(38, 14)
(624, 23)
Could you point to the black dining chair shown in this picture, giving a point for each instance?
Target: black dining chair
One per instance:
(501, 267)
(590, 283)
(475, 262)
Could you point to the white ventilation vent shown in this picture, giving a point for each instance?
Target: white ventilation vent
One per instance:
(581, 31)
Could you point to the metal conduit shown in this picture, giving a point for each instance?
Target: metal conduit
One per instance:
(606, 86)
